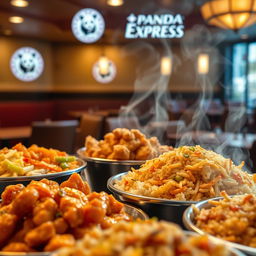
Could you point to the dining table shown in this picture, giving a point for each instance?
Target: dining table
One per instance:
(236, 140)
(77, 114)
(8, 134)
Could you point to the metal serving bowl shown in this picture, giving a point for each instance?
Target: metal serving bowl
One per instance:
(165, 209)
(58, 177)
(134, 212)
(99, 170)
(189, 222)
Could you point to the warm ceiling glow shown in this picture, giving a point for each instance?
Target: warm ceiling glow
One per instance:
(16, 19)
(19, 3)
(115, 2)
(103, 65)
(230, 14)
(166, 66)
(7, 32)
(203, 63)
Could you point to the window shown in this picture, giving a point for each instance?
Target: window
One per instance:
(241, 69)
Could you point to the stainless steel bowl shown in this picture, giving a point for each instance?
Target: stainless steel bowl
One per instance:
(165, 209)
(58, 177)
(189, 222)
(134, 212)
(99, 170)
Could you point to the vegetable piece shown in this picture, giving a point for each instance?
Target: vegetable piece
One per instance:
(64, 165)
(178, 178)
(75, 181)
(67, 159)
(186, 155)
(10, 166)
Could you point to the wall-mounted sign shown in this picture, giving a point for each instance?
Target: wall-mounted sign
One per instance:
(88, 25)
(154, 26)
(104, 72)
(27, 64)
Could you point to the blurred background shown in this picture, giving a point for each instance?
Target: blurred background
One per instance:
(195, 88)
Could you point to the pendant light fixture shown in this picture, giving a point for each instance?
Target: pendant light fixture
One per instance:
(229, 14)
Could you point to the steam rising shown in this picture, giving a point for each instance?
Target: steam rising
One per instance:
(151, 98)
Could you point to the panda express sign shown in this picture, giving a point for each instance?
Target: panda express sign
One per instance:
(154, 26)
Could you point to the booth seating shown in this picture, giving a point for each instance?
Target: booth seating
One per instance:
(55, 134)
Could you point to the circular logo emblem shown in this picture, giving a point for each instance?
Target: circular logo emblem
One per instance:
(104, 78)
(27, 64)
(88, 25)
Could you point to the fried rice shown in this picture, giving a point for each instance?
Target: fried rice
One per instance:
(188, 174)
(143, 238)
(232, 219)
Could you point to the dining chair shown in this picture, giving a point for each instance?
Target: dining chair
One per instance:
(121, 122)
(55, 134)
(89, 125)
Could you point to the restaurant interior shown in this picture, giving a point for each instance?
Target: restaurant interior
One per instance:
(127, 128)
(193, 84)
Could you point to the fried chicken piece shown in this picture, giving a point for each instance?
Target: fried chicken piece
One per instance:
(125, 144)
(94, 212)
(59, 241)
(75, 181)
(106, 148)
(41, 235)
(8, 223)
(53, 186)
(16, 247)
(114, 206)
(10, 193)
(91, 142)
(19, 236)
(42, 188)
(127, 135)
(132, 145)
(72, 214)
(111, 139)
(91, 145)
(138, 134)
(120, 152)
(144, 152)
(79, 232)
(74, 193)
(71, 206)
(25, 201)
(117, 133)
(60, 225)
(44, 211)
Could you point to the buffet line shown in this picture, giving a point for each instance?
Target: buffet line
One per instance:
(125, 195)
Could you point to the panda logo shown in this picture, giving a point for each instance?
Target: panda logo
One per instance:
(104, 78)
(88, 25)
(27, 64)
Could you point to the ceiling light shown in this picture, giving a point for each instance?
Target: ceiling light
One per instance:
(115, 2)
(103, 65)
(166, 66)
(16, 19)
(229, 14)
(19, 3)
(203, 63)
